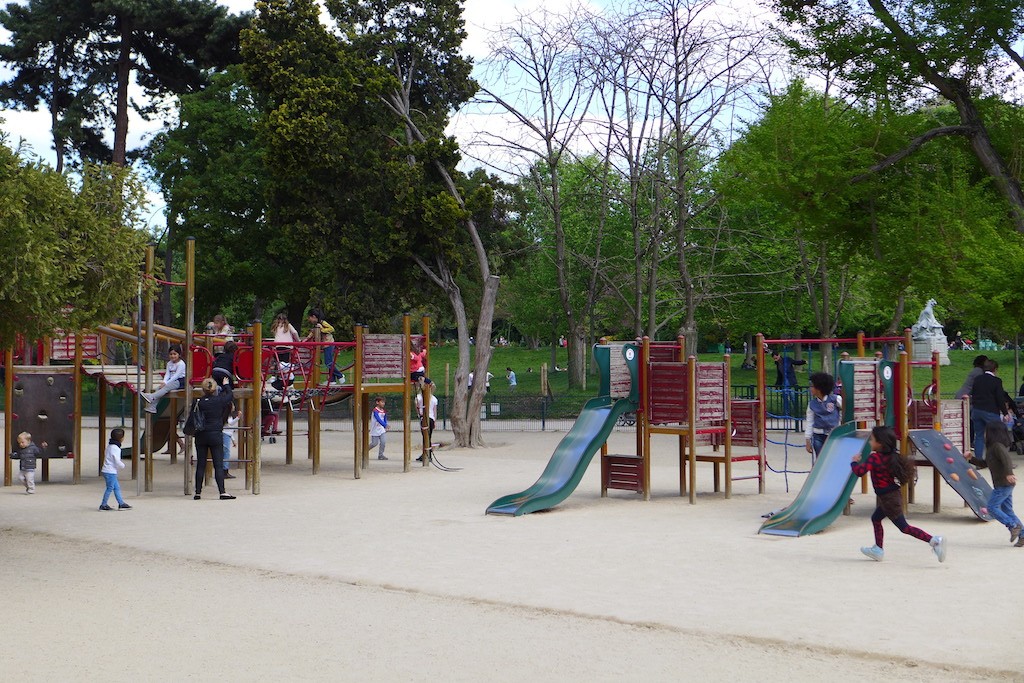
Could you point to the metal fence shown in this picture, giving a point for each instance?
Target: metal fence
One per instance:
(786, 410)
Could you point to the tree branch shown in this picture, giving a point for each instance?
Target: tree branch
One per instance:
(914, 145)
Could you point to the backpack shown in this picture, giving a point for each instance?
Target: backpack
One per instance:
(195, 422)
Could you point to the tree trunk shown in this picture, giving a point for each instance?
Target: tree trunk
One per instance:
(577, 356)
(124, 70)
(481, 362)
(457, 417)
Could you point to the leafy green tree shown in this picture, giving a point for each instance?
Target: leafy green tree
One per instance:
(79, 58)
(46, 45)
(954, 47)
(335, 186)
(213, 170)
(72, 254)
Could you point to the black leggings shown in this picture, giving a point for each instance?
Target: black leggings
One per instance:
(210, 444)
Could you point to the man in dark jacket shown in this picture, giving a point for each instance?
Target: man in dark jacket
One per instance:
(988, 404)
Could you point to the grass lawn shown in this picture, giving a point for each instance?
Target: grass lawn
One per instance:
(521, 360)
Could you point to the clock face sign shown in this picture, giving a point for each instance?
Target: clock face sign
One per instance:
(887, 373)
(630, 354)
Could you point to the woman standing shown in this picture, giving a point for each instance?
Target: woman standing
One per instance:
(210, 440)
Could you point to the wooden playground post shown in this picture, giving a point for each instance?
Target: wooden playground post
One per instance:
(643, 417)
(860, 344)
(691, 409)
(150, 356)
(313, 437)
(902, 416)
(407, 396)
(728, 427)
(76, 437)
(936, 479)
(190, 308)
(103, 387)
(8, 412)
(252, 469)
(357, 405)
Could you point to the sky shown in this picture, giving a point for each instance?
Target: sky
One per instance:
(32, 128)
(482, 17)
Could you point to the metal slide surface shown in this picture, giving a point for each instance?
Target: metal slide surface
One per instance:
(570, 459)
(827, 488)
(162, 423)
(962, 476)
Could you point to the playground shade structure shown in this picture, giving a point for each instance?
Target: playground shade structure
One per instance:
(570, 459)
(827, 488)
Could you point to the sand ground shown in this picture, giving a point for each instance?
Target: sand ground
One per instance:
(402, 577)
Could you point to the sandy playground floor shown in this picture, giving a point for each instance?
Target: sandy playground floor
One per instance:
(401, 577)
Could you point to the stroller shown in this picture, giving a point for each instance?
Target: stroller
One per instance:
(275, 387)
(1017, 428)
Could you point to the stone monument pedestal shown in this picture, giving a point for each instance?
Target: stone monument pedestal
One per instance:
(923, 349)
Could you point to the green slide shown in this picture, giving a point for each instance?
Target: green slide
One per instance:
(570, 459)
(163, 423)
(827, 488)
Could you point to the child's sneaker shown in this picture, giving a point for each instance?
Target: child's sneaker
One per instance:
(938, 544)
(1015, 532)
(1019, 543)
(124, 506)
(874, 552)
(105, 507)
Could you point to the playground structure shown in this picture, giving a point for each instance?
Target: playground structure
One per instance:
(670, 394)
(875, 391)
(46, 399)
(617, 395)
(683, 397)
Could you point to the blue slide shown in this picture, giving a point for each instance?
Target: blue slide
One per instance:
(570, 459)
(827, 488)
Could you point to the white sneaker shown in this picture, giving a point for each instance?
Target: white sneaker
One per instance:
(151, 408)
(874, 552)
(148, 398)
(938, 544)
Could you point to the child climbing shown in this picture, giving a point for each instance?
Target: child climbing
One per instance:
(889, 470)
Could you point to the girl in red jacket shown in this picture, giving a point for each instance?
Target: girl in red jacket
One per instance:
(889, 470)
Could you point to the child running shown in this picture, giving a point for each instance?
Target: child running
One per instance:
(1000, 503)
(889, 470)
(379, 427)
(111, 464)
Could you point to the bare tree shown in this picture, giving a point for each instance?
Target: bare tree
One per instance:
(541, 83)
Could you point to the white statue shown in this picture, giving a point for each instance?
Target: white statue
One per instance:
(927, 326)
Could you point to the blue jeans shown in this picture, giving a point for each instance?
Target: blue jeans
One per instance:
(980, 418)
(329, 362)
(817, 441)
(1000, 506)
(227, 450)
(112, 487)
